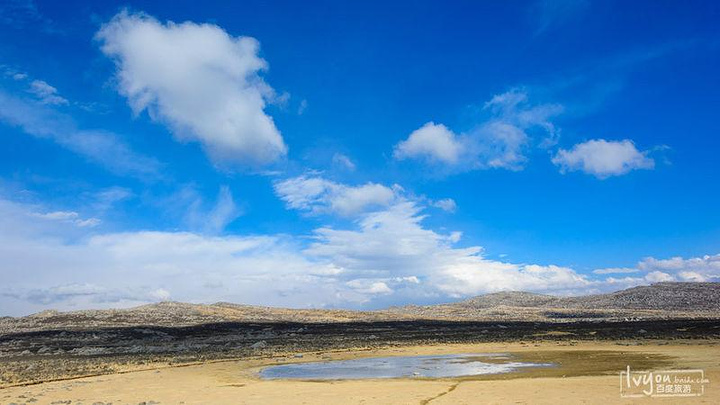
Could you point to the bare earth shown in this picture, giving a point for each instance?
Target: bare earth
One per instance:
(175, 353)
(588, 373)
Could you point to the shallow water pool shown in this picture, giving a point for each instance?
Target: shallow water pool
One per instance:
(432, 366)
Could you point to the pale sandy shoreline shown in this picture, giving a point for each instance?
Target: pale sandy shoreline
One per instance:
(236, 381)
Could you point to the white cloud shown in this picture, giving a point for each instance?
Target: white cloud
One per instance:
(215, 219)
(615, 270)
(302, 107)
(393, 243)
(89, 223)
(59, 215)
(507, 135)
(344, 162)
(384, 257)
(317, 195)
(387, 243)
(706, 268)
(13, 73)
(603, 159)
(369, 286)
(224, 212)
(693, 276)
(658, 276)
(433, 142)
(446, 204)
(106, 198)
(69, 217)
(501, 141)
(475, 275)
(89, 293)
(505, 145)
(46, 93)
(389, 257)
(43, 263)
(199, 80)
(98, 146)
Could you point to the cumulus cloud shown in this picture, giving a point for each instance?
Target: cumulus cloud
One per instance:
(652, 270)
(202, 82)
(476, 275)
(369, 286)
(385, 257)
(386, 243)
(706, 268)
(394, 243)
(603, 159)
(43, 263)
(433, 142)
(500, 141)
(99, 146)
(316, 195)
(390, 256)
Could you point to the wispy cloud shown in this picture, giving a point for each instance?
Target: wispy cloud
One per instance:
(499, 142)
(98, 146)
(344, 162)
(214, 219)
(586, 88)
(71, 217)
(615, 270)
(46, 93)
(23, 14)
(88, 293)
(552, 13)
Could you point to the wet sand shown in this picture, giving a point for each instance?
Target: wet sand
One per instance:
(587, 372)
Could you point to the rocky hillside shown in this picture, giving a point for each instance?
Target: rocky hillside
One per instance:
(661, 300)
(660, 296)
(174, 314)
(658, 301)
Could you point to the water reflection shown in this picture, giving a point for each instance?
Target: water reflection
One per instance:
(434, 366)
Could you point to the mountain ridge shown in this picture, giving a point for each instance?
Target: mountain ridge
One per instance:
(662, 296)
(657, 301)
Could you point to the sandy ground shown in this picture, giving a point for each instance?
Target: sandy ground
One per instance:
(588, 374)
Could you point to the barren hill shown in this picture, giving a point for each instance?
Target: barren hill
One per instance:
(658, 301)
(668, 296)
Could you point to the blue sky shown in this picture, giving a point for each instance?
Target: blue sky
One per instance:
(358, 155)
